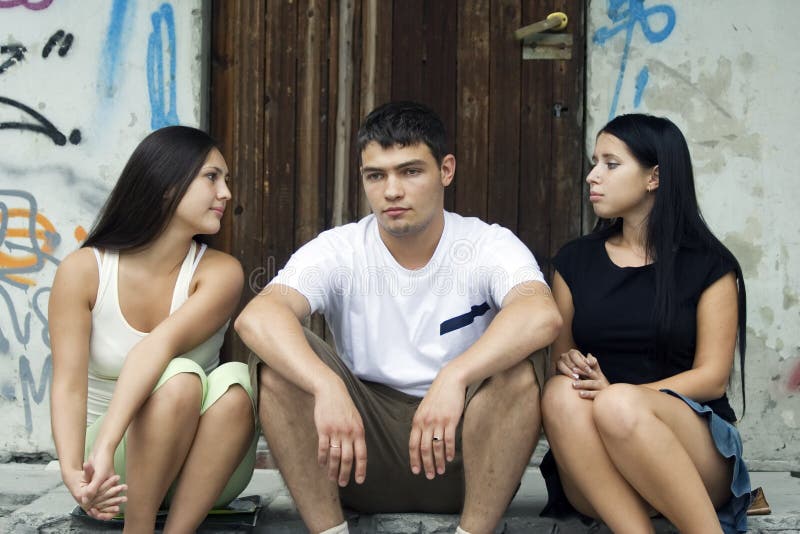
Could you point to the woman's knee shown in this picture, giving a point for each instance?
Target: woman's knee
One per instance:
(618, 409)
(182, 393)
(234, 405)
(560, 400)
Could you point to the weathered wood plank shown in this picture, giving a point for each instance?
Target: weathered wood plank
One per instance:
(344, 106)
(281, 87)
(473, 106)
(311, 42)
(504, 105)
(408, 40)
(535, 146)
(376, 66)
(568, 132)
(237, 120)
(441, 71)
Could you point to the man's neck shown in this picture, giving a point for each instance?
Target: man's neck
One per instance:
(413, 252)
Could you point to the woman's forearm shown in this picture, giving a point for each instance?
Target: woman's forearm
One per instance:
(68, 424)
(697, 384)
(143, 366)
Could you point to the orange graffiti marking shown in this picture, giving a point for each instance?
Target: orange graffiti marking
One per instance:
(80, 234)
(44, 227)
(21, 279)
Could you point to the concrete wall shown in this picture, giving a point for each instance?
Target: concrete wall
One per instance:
(81, 83)
(726, 71)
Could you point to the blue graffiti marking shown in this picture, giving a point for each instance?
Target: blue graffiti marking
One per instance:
(8, 391)
(39, 256)
(641, 83)
(116, 38)
(156, 57)
(41, 315)
(625, 15)
(29, 387)
(23, 334)
(34, 262)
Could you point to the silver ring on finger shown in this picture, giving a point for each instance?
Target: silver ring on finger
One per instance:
(437, 438)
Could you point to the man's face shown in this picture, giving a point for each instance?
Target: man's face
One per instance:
(405, 186)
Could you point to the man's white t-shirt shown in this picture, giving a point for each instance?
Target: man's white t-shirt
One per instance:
(396, 326)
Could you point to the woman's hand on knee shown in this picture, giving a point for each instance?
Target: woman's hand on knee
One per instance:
(574, 364)
(592, 381)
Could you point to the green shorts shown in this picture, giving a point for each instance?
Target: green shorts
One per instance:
(215, 384)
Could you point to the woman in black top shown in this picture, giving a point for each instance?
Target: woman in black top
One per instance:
(635, 410)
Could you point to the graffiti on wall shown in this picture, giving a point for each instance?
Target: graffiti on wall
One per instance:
(625, 16)
(37, 123)
(15, 52)
(30, 4)
(32, 241)
(27, 242)
(117, 36)
(163, 110)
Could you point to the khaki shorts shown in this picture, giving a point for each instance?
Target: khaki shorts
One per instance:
(390, 486)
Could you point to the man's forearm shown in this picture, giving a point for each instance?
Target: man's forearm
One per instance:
(276, 336)
(527, 324)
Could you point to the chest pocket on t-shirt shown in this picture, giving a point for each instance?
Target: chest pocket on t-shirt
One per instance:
(460, 321)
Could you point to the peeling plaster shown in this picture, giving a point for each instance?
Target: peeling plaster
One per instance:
(748, 253)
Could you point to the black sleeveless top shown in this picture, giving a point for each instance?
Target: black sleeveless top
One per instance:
(613, 317)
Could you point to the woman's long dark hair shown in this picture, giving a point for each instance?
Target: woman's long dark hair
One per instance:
(675, 219)
(150, 187)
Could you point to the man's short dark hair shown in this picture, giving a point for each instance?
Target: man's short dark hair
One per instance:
(406, 124)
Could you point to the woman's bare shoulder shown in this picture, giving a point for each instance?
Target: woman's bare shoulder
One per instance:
(78, 273)
(221, 266)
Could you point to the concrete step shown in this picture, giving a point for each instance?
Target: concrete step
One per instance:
(48, 511)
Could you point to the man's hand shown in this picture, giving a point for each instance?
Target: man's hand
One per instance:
(433, 430)
(341, 434)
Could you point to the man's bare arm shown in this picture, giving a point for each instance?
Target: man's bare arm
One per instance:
(270, 326)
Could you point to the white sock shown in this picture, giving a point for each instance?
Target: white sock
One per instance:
(338, 529)
(460, 530)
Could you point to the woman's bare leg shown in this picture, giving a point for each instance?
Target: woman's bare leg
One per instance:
(665, 451)
(223, 437)
(591, 481)
(158, 440)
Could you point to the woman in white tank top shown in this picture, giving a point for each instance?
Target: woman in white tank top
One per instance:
(139, 402)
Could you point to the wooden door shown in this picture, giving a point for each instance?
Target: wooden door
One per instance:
(292, 80)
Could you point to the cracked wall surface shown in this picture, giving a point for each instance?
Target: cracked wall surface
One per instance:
(726, 74)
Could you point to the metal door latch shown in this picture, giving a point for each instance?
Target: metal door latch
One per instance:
(539, 45)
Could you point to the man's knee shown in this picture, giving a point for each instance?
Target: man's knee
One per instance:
(271, 384)
(516, 389)
(517, 380)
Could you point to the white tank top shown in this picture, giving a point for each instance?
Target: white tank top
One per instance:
(113, 338)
